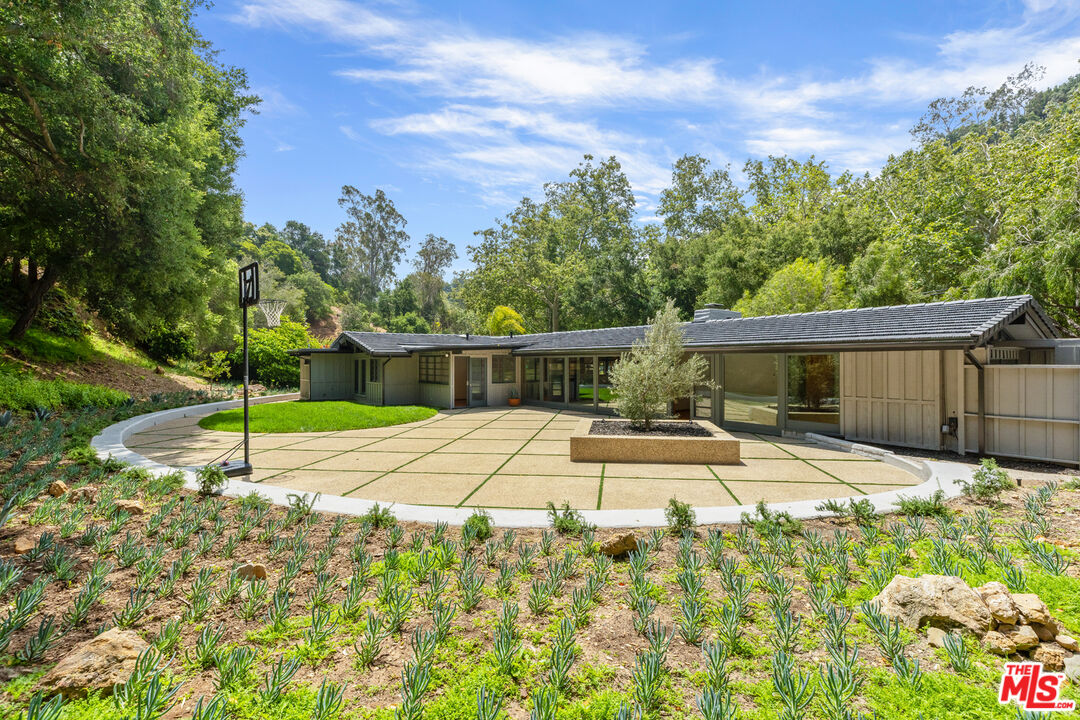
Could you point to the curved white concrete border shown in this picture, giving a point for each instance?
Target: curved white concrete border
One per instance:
(936, 475)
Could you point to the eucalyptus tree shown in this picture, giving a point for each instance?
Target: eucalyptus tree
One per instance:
(368, 246)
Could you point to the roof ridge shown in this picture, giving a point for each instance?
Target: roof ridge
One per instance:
(837, 311)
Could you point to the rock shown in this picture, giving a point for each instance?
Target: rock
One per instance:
(1051, 655)
(1068, 642)
(939, 600)
(999, 601)
(57, 488)
(999, 644)
(1032, 609)
(619, 544)
(935, 636)
(1046, 633)
(96, 664)
(25, 543)
(1072, 668)
(252, 571)
(83, 494)
(1023, 637)
(132, 507)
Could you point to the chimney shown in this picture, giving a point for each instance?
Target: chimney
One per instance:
(713, 311)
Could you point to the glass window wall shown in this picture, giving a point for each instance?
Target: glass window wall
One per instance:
(750, 389)
(813, 390)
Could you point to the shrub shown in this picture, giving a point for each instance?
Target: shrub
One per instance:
(933, 506)
(268, 356)
(211, 479)
(566, 520)
(24, 392)
(356, 317)
(480, 522)
(987, 482)
(862, 510)
(169, 343)
(379, 517)
(768, 522)
(680, 516)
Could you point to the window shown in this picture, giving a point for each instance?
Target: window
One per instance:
(532, 369)
(363, 377)
(373, 372)
(503, 369)
(435, 369)
(356, 377)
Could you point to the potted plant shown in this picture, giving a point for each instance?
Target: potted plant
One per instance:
(515, 397)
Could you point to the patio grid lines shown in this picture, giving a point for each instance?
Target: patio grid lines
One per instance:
(425, 454)
(469, 460)
(508, 459)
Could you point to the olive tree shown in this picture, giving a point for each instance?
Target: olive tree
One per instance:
(656, 371)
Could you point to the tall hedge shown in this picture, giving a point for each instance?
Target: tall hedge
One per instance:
(270, 363)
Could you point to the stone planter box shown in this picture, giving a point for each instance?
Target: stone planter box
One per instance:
(720, 449)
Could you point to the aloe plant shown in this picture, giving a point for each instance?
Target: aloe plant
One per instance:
(328, 700)
(369, 644)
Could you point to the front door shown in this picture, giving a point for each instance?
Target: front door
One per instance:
(477, 381)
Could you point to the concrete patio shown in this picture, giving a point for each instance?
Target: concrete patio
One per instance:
(518, 458)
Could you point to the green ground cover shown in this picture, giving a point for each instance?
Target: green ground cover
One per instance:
(322, 416)
(757, 621)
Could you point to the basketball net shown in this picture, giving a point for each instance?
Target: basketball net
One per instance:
(271, 310)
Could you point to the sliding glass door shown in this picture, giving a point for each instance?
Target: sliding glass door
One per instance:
(813, 393)
(751, 390)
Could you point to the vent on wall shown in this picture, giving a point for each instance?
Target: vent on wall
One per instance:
(1004, 355)
(712, 311)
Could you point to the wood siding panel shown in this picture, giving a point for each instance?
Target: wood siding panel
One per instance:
(895, 396)
(1033, 411)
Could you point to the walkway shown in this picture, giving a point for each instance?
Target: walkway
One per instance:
(518, 458)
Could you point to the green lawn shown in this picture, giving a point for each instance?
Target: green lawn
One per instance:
(300, 416)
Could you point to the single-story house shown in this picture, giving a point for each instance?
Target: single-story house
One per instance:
(990, 375)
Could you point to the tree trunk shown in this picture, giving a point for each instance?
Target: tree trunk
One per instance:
(34, 295)
(555, 316)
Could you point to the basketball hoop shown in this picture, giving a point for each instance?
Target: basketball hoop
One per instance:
(271, 310)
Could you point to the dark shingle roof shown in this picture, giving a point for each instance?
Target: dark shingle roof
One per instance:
(406, 343)
(956, 323)
(959, 323)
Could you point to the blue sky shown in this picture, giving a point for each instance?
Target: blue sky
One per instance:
(459, 109)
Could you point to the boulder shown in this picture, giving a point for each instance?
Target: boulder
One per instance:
(999, 644)
(1046, 633)
(96, 664)
(57, 488)
(999, 602)
(83, 494)
(620, 544)
(25, 543)
(935, 636)
(1072, 668)
(132, 507)
(1023, 637)
(1051, 655)
(942, 601)
(1032, 609)
(1068, 642)
(252, 571)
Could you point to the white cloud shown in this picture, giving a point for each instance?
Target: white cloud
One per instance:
(348, 132)
(274, 102)
(510, 112)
